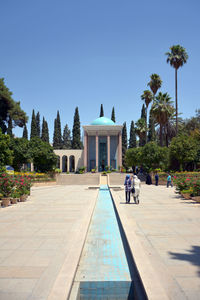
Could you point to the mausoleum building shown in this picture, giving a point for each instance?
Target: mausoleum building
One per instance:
(102, 148)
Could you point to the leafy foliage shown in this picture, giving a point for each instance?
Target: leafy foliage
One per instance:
(132, 139)
(67, 143)
(10, 109)
(76, 132)
(6, 155)
(34, 132)
(42, 155)
(20, 148)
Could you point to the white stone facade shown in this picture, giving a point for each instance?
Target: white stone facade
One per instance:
(70, 160)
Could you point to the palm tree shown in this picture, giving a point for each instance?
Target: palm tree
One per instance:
(155, 83)
(162, 111)
(177, 58)
(141, 129)
(147, 96)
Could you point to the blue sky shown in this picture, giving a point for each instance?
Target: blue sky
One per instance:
(56, 55)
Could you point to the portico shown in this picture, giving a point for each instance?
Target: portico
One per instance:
(102, 145)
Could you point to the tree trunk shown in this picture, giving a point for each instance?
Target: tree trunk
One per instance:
(146, 127)
(176, 101)
(161, 140)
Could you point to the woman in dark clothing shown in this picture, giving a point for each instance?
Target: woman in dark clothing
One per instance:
(148, 179)
(156, 178)
(127, 184)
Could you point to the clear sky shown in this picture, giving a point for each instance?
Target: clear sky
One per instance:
(56, 55)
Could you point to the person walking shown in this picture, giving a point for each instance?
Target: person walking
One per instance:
(156, 178)
(127, 184)
(136, 188)
(169, 181)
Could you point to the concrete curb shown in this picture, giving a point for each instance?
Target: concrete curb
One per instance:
(63, 284)
(151, 282)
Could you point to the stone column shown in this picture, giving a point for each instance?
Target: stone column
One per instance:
(97, 152)
(108, 149)
(119, 150)
(85, 149)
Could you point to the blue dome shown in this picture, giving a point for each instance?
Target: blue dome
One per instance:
(103, 121)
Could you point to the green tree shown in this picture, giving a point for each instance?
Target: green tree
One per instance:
(6, 155)
(67, 142)
(155, 83)
(177, 58)
(20, 148)
(34, 132)
(147, 96)
(25, 133)
(154, 156)
(45, 131)
(162, 111)
(184, 149)
(133, 157)
(10, 127)
(141, 131)
(101, 111)
(37, 118)
(42, 155)
(143, 113)
(132, 139)
(113, 114)
(57, 137)
(10, 109)
(124, 143)
(76, 132)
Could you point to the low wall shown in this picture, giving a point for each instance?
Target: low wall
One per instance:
(78, 179)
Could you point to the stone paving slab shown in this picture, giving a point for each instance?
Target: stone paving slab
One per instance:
(41, 241)
(163, 233)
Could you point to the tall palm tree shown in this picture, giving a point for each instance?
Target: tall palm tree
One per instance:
(162, 111)
(155, 83)
(141, 129)
(177, 58)
(147, 96)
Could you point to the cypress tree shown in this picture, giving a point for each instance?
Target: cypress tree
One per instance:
(38, 124)
(67, 143)
(101, 111)
(57, 136)
(33, 126)
(143, 112)
(9, 129)
(113, 114)
(124, 143)
(45, 131)
(152, 131)
(76, 133)
(60, 141)
(25, 133)
(132, 140)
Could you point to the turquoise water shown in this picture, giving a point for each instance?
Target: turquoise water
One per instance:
(103, 272)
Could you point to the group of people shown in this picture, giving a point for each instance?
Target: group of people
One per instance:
(132, 186)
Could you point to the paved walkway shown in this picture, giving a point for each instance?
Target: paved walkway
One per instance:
(41, 241)
(164, 233)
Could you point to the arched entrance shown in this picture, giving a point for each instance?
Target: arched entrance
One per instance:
(72, 163)
(64, 163)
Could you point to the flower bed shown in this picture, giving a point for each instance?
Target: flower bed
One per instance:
(14, 186)
(188, 183)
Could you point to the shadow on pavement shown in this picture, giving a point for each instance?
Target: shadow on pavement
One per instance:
(193, 256)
